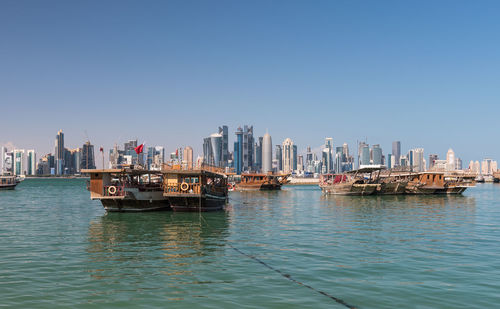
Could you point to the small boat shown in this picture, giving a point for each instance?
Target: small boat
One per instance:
(251, 182)
(432, 182)
(194, 189)
(127, 189)
(349, 183)
(8, 182)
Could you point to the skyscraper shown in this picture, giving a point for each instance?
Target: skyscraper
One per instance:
(396, 152)
(432, 160)
(225, 145)
(88, 160)
(59, 153)
(238, 151)
(19, 164)
(417, 162)
(329, 158)
(188, 156)
(208, 155)
(450, 160)
(216, 143)
(364, 154)
(3, 154)
(258, 154)
(279, 157)
(31, 162)
(376, 154)
(289, 156)
(267, 153)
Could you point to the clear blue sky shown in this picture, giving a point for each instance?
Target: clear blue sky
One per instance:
(169, 72)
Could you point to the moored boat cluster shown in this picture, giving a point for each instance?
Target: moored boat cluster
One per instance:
(206, 188)
(368, 181)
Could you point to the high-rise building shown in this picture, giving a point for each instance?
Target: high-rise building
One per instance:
(488, 167)
(279, 158)
(417, 162)
(225, 145)
(88, 160)
(238, 151)
(390, 160)
(300, 163)
(31, 162)
(244, 149)
(19, 166)
(338, 159)
(432, 160)
(258, 155)
(329, 154)
(3, 155)
(450, 160)
(59, 153)
(208, 155)
(267, 153)
(216, 143)
(188, 156)
(376, 154)
(364, 154)
(396, 152)
(289, 156)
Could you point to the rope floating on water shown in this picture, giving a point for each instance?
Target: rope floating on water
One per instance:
(338, 300)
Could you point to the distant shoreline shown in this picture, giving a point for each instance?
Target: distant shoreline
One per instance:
(56, 177)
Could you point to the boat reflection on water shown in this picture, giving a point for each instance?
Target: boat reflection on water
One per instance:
(126, 244)
(429, 202)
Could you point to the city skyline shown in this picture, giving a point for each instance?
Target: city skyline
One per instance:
(385, 152)
(353, 71)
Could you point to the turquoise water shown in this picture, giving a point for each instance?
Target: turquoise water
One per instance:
(59, 249)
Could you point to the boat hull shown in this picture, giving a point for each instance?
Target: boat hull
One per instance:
(203, 203)
(392, 188)
(257, 187)
(350, 189)
(131, 205)
(8, 187)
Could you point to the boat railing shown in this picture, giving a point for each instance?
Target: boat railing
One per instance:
(186, 167)
(113, 190)
(180, 188)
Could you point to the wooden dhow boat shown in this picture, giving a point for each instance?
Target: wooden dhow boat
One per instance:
(349, 183)
(253, 181)
(435, 182)
(127, 189)
(194, 189)
(8, 182)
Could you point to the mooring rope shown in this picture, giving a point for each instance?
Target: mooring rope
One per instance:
(287, 276)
